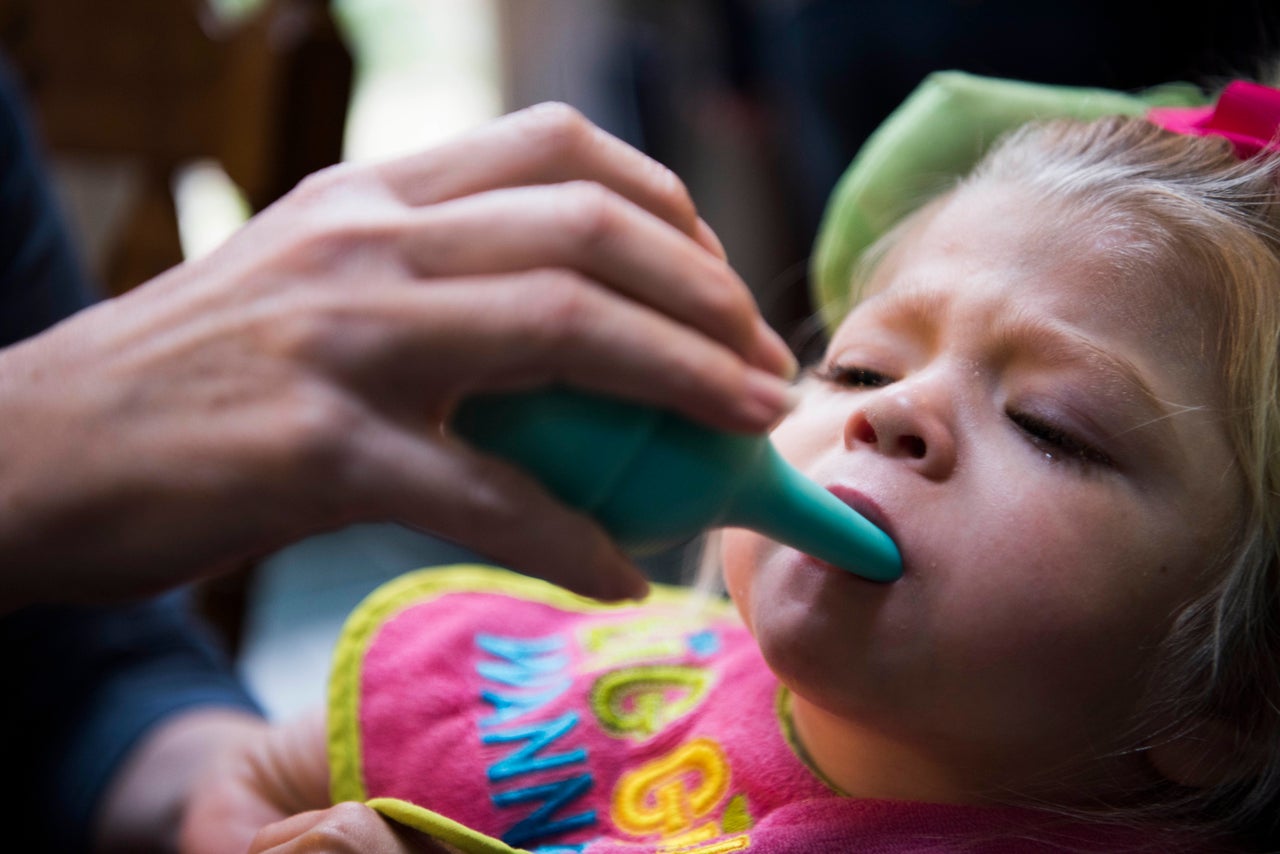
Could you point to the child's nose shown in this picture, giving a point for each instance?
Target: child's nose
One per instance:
(907, 424)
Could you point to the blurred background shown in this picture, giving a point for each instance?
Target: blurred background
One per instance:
(169, 122)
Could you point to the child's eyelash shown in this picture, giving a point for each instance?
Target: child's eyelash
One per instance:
(853, 376)
(1058, 443)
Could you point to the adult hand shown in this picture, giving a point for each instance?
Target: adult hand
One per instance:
(299, 378)
(268, 790)
(257, 779)
(349, 828)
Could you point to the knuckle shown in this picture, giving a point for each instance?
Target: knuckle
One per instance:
(566, 306)
(558, 128)
(326, 839)
(590, 212)
(349, 814)
(729, 303)
(560, 132)
(335, 215)
(329, 241)
(323, 181)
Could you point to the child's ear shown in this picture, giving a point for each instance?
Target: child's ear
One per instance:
(1208, 755)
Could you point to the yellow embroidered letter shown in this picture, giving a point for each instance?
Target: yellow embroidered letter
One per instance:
(640, 701)
(648, 638)
(669, 794)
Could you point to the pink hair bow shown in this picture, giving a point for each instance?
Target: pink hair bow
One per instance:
(1247, 114)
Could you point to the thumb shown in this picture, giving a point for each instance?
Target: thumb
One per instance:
(345, 828)
(439, 483)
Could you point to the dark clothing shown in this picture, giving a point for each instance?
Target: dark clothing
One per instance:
(81, 684)
(41, 281)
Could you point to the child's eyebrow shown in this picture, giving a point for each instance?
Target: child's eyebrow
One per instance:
(919, 305)
(1048, 341)
(1058, 344)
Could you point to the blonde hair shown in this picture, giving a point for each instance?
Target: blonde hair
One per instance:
(1187, 210)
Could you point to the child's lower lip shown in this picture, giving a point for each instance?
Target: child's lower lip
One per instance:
(870, 509)
(809, 563)
(865, 506)
(831, 578)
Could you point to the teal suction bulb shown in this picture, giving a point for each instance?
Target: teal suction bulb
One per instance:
(654, 479)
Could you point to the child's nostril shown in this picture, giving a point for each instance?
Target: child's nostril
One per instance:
(913, 445)
(864, 432)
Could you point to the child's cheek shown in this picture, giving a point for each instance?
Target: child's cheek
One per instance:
(740, 551)
(800, 436)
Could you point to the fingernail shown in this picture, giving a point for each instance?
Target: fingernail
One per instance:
(624, 581)
(778, 356)
(769, 396)
(639, 590)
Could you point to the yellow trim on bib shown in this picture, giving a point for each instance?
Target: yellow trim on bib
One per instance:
(782, 705)
(438, 827)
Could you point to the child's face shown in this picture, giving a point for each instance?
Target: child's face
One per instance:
(1038, 434)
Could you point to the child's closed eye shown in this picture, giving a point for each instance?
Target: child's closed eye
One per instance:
(1057, 443)
(852, 376)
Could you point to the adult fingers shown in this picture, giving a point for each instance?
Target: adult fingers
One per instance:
(544, 144)
(280, 833)
(530, 329)
(477, 501)
(345, 828)
(588, 228)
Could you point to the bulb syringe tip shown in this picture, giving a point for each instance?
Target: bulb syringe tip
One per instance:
(781, 503)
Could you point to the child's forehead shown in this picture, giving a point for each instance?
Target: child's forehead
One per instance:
(995, 223)
(999, 242)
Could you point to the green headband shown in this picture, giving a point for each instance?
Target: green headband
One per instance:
(938, 134)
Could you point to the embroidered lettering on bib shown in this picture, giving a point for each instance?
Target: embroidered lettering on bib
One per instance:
(677, 796)
(645, 674)
(521, 677)
(640, 701)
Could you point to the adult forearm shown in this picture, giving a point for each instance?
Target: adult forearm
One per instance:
(50, 506)
(99, 499)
